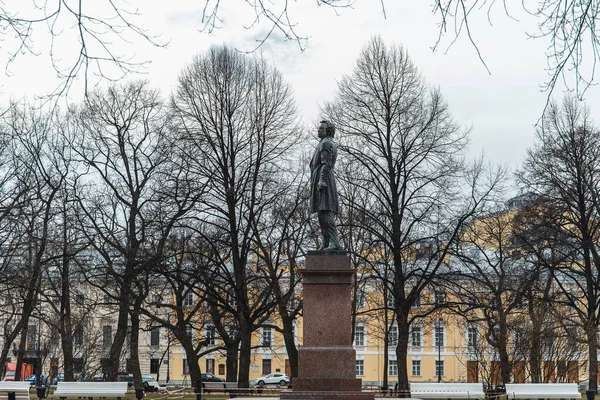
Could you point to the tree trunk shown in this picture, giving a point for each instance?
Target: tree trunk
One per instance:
(592, 342)
(66, 323)
(402, 351)
(245, 356)
(193, 361)
(290, 345)
(21, 350)
(114, 355)
(134, 348)
(535, 360)
(231, 363)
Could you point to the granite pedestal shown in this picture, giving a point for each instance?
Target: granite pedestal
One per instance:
(327, 360)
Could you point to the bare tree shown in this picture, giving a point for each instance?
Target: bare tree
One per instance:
(239, 123)
(46, 171)
(281, 239)
(496, 275)
(562, 169)
(401, 135)
(131, 197)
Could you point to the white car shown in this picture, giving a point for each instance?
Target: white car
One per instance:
(273, 379)
(155, 386)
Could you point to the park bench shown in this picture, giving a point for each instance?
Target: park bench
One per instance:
(91, 389)
(442, 390)
(20, 389)
(542, 391)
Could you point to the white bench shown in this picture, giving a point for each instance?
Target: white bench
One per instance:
(542, 391)
(442, 390)
(21, 390)
(91, 389)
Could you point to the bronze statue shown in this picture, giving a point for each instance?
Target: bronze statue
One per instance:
(323, 191)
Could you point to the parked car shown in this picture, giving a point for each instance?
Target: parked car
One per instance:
(206, 377)
(126, 378)
(273, 379)
(151, 385)
(31, 379)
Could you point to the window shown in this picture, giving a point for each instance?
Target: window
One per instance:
(415, 338)
(416, 367)
(438, 336)
(188, 299)
(417, 302)
(439, 368)
(186, 367)
(79, 299)
(155, 337)
(211, 336)
(472, 337)
(210, 365)
(78, 336)
(439, 297)
(393, 368)
(221, 369)
(359, 335)
(266, 366)
(393, 336)
(361, 298)
(189, 330)
(106, 336)
(267, 336)
(154, 365)
(360, 367)
(31, 338)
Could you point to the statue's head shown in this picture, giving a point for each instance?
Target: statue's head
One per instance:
(326, 129)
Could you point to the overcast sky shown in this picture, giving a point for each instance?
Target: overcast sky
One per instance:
(501, 108)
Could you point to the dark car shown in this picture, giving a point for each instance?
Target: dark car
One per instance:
(206, 377)
(126, 378)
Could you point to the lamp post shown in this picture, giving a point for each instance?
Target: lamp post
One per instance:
(169, 358)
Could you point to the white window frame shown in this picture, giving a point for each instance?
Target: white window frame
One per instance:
(154, 329)
(360, 367)
(436, 326)
(416, 364)
(439, 364)
(363, 335)
(415, 329)
(472, 341)
(392, 367)
(393, 335)
(188, 300)
(211, 335)
(266, 337)
(361, 297)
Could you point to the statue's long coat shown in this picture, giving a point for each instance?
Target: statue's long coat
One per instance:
(322, 168)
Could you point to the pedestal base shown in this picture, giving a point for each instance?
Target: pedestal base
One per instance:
(307, 395)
